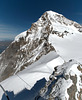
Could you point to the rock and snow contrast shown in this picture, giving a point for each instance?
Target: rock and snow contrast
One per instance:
(64, 83)
(51, 50)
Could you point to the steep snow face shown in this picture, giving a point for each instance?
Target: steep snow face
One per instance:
(64, 35)
(51, 22)
(27, 48)
(33, 73)
(64, 83)
(59, 23)
(69, 47)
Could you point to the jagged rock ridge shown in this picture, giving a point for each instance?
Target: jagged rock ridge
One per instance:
(64, 83)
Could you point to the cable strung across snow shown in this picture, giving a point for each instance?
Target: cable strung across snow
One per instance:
(25, 82)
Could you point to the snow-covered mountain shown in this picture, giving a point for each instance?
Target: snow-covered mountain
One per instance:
(45, 51)
(64, 83)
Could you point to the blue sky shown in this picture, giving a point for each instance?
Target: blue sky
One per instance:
(17, 16)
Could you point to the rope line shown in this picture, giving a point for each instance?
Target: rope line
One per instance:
(35, 98)
(25, 82)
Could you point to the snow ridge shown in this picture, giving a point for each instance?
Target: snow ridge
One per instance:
(63, 79)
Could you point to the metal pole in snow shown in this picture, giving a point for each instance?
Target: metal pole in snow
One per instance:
(4, 92)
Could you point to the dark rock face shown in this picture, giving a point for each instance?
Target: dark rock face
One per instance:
(73, 89)
(58, 83)
(14, 57)
(22, 53)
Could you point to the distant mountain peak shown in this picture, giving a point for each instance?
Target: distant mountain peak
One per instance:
(52, 21)
(52, 13)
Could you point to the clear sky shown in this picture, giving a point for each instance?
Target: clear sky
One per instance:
(17, 15)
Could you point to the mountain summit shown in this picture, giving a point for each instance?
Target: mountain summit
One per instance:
(30, 45)
(47, 47)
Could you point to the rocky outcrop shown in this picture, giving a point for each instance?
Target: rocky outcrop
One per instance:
(64, 83)
(22, 53)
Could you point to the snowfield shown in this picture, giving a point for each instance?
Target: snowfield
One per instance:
(69, 47)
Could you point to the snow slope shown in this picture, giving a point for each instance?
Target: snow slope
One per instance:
(40, 69)
(38, 51)
(65, 83)
(69, 47)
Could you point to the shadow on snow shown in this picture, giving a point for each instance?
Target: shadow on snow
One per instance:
(26, 94)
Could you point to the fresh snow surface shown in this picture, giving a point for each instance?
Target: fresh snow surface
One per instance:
(43, 68)
(69, 47)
